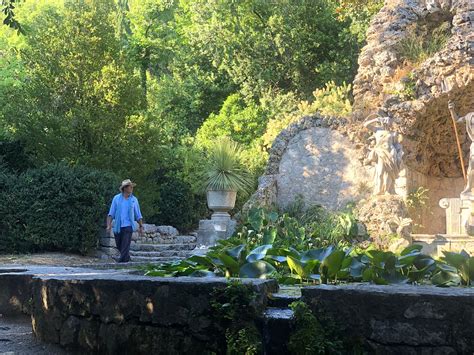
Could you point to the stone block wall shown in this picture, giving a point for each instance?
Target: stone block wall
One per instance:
(131, 314)
(399, 319)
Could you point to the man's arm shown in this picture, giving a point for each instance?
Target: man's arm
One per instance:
(138, 215)
(111, 215)
(455, 117)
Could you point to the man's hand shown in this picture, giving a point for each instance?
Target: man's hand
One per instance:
(141, 230)
(451, 105)
(108, 230)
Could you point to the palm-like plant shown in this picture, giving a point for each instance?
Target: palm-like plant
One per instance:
(224, 170)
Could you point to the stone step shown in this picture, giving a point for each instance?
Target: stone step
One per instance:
(163, 253)
(161, 247)
(278, 323)
(177, 239)
(281, 300)
(154, 260)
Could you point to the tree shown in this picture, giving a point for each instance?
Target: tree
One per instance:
(8, 7)
(289, 45)
(80, 94)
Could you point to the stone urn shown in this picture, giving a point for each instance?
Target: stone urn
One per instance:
(221, 202)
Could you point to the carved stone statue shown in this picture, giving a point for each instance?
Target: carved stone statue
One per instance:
(386, 153)
(469, 118)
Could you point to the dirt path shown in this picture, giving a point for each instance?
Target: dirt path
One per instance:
(56, 259)
(16, 338)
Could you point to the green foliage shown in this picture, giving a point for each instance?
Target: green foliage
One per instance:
(244, 341)
(458, 268)
(422, 41)
(260, 45)
(416, 203)
(177, 195)
(224, 170)
(243, 123)
(7, 7)
(234, 311)
(125, 85)
(331, 100)
(81, 94)
(269, 246)
(309, 336)
(325, 227)
(55, 207)
(14, 157)
(174, 185)
(408, 91)
(359, 12)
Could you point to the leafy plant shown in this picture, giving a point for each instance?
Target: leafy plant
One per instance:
(234, 311)
(309, 336)
(416, 203)
(422, 41)
(224, 171)
(458, 268)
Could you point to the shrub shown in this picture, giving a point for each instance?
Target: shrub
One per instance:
(224, 170)
(14, 157)
(56, 207)
(240, 121)
(178, 205)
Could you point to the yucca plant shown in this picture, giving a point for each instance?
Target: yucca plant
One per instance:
(224, 170)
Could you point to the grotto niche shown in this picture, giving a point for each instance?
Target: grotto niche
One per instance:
(419, 55)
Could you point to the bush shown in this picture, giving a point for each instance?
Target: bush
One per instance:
(14, 157)
(56, 207)
(179, 206)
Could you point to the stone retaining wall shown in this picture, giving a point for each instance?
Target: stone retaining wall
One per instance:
(399, 319)
(115, 312)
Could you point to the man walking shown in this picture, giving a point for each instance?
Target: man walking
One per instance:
(124, 210)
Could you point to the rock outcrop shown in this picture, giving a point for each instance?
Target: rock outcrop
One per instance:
(415, 93)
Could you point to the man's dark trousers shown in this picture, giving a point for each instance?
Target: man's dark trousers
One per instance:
(123, 240)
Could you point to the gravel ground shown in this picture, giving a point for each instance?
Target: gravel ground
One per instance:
(16, 338)
(56, 259)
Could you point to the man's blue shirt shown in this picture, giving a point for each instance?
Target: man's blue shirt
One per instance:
(125, 211)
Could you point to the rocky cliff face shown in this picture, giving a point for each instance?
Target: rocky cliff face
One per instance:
(413, 92)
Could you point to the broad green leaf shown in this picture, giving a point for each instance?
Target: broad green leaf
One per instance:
(411, 248)
(454, 259)
(317, 254)
(256, 219)
(334, 262)
(279, 258)
(201, 260)
(235, 252)
(273, 216)
(296, 266)
(310, 266)
(157, 273)
(258, 253)
(356, 269)
(230, 263)
(269, 236)
(256, 270)
(445, 279)
(289, 280)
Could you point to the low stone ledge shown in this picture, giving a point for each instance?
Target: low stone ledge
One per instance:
(15, 292)
(399, 319)
(115, 311)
